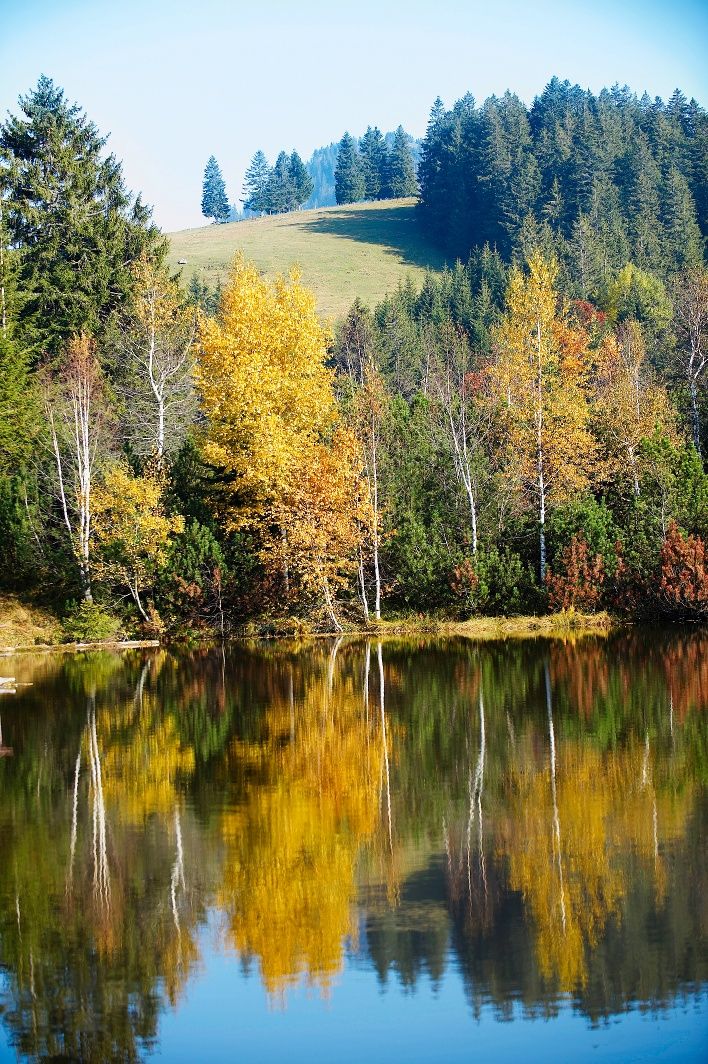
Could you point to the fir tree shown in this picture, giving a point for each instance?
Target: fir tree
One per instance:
(683, 241)
(280, 193)
(401, 172)
(348, 177)
(255, 186)
(374, 159)
(300, 181)
(74, 226)
(215, 203)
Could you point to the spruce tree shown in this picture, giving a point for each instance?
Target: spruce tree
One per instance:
(280, 193)
(215, 203)
(255, 185)
(301, 183)
(683, 244)
(74, 226)
(348, 176)
(401, 172)
(372, 149)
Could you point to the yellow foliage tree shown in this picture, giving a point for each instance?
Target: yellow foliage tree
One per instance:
(540, 381)
(322, 519)
(629, 406)
(263, 381)
(132, 530)
(267, 392)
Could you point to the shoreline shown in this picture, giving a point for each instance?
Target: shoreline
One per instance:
(555, 625)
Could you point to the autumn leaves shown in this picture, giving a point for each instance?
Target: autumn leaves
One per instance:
(292, 471)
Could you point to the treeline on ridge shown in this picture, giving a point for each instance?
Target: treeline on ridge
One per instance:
(596, 180)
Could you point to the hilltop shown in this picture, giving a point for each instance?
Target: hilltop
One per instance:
(359, 250)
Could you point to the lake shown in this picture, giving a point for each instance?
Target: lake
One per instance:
(414, 850)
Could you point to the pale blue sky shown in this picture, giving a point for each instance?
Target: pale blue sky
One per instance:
(174, 82)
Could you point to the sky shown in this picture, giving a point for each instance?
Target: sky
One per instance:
(174, 82)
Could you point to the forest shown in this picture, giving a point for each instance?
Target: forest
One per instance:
(522, 434)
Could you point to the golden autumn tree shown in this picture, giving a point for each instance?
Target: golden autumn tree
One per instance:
(629, 405)
(267, 393)
(323, 516)
(540, 382)
(263, 381)
(132, 530)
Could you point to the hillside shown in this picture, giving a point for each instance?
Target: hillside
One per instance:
(363, 249)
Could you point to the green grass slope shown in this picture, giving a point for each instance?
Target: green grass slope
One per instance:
(362, 250)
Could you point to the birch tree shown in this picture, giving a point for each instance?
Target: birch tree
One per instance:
(540, 376)
(367, 407)
(691, 316)
(463, 418)
(78, 423)
(156, 352)
(133, 531)
(629, 406)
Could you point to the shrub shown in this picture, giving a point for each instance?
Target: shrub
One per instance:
(86, 622)
(579, 580)
(683, 582)
(493, 582)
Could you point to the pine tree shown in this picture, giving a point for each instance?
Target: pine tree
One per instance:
(374, 159)
(301, 183)
(348, 177)
(255, 186)
(69, 217)
(401, 172)
(215, 203)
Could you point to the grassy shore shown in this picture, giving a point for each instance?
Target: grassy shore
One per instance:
(362, 250)
(24, 626)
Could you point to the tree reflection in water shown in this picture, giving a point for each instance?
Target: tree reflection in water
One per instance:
(531, 814)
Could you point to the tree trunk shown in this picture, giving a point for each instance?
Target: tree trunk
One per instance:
(695, 420)
(329, 602)
(362, 588)
(375, 500)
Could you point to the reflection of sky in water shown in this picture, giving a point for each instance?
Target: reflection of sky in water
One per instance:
(226, 1015)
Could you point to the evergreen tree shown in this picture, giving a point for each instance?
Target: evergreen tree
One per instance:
(74, 226)
(300, 181)
(255, 186)
(348, 176)
(401, 172)
(374, 158)
(683, 241)
(215, 203)
(280, 192)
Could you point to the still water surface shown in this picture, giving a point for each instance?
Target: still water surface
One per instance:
(417, 851)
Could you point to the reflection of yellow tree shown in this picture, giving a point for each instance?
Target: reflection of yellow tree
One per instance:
(292, 847)
(559, 858)
(143, 756)
(571, 821)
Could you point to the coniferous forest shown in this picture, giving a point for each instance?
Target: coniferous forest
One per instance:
(524, 433)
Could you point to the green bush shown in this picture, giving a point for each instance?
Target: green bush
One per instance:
(495, 583)
(86, 622)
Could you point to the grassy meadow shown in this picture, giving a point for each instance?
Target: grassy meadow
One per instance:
(360, 250)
